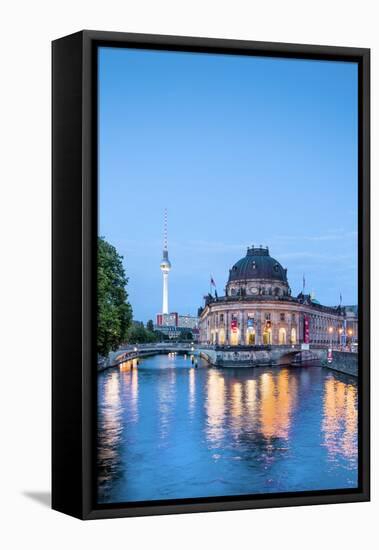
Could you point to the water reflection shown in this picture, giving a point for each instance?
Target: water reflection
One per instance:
(278, 402)
(215, 407)
(129, 380)
(166, 400)
(169, 430)
(110, 429)
(251, 397)
(191, 390)
(340, 419)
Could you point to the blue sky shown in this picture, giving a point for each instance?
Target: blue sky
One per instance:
(241, 151)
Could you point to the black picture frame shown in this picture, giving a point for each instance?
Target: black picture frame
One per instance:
(74, 206)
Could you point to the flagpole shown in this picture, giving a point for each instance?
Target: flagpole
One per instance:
(212, 284)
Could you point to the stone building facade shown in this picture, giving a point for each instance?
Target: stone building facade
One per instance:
(258, 309)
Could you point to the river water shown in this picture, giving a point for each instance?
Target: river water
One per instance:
(167, 430)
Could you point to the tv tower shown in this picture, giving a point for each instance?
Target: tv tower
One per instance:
(165, 266)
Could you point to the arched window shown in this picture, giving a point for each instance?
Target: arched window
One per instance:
(282, 336)
(267, 336)
(250, 337)
(234, 338)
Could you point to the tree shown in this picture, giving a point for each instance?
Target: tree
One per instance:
(150, 326)
(114, 312)
(137, 333)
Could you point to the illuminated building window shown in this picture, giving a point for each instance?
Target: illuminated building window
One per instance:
(282, 336)
(267, 336)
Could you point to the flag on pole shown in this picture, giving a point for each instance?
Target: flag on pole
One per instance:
(303, 283)
(340, 299)
(212, 285)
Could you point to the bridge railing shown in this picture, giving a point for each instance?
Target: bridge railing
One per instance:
(157, 345)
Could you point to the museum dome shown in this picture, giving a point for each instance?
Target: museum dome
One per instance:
(257, 264)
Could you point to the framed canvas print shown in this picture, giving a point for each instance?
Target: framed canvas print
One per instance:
(210, 274)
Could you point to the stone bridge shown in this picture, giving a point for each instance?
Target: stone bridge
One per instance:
(139, 351)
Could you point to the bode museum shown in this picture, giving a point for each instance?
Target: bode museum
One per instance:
(258, 309)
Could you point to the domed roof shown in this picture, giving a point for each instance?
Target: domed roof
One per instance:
(257, 264)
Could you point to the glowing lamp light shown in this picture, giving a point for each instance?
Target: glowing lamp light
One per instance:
(330, 329)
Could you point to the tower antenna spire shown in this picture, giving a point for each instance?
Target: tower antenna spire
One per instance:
(165, 243)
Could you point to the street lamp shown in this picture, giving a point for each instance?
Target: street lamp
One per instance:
(340, 331)
(330, 330)
(350, 333)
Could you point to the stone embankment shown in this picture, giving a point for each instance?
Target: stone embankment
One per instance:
(343, 361)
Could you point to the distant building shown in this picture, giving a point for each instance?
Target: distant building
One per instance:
(178, 326)
(188, 321)
(258, 309)
(175, 320)
(170, 331)
(351, 324)
(167, 319)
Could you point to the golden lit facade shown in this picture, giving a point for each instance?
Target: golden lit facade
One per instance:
(258, 309)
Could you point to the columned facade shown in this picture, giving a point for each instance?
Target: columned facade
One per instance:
(263, 323)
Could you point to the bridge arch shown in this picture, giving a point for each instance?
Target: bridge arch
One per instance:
(297, 357)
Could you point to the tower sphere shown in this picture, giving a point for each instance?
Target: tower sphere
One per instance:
(165, 265)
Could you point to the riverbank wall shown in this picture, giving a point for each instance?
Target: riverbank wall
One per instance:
(343, 361)
(261, 356)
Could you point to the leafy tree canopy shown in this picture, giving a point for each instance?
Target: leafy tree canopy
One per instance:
(137, 333)
(114, 312)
